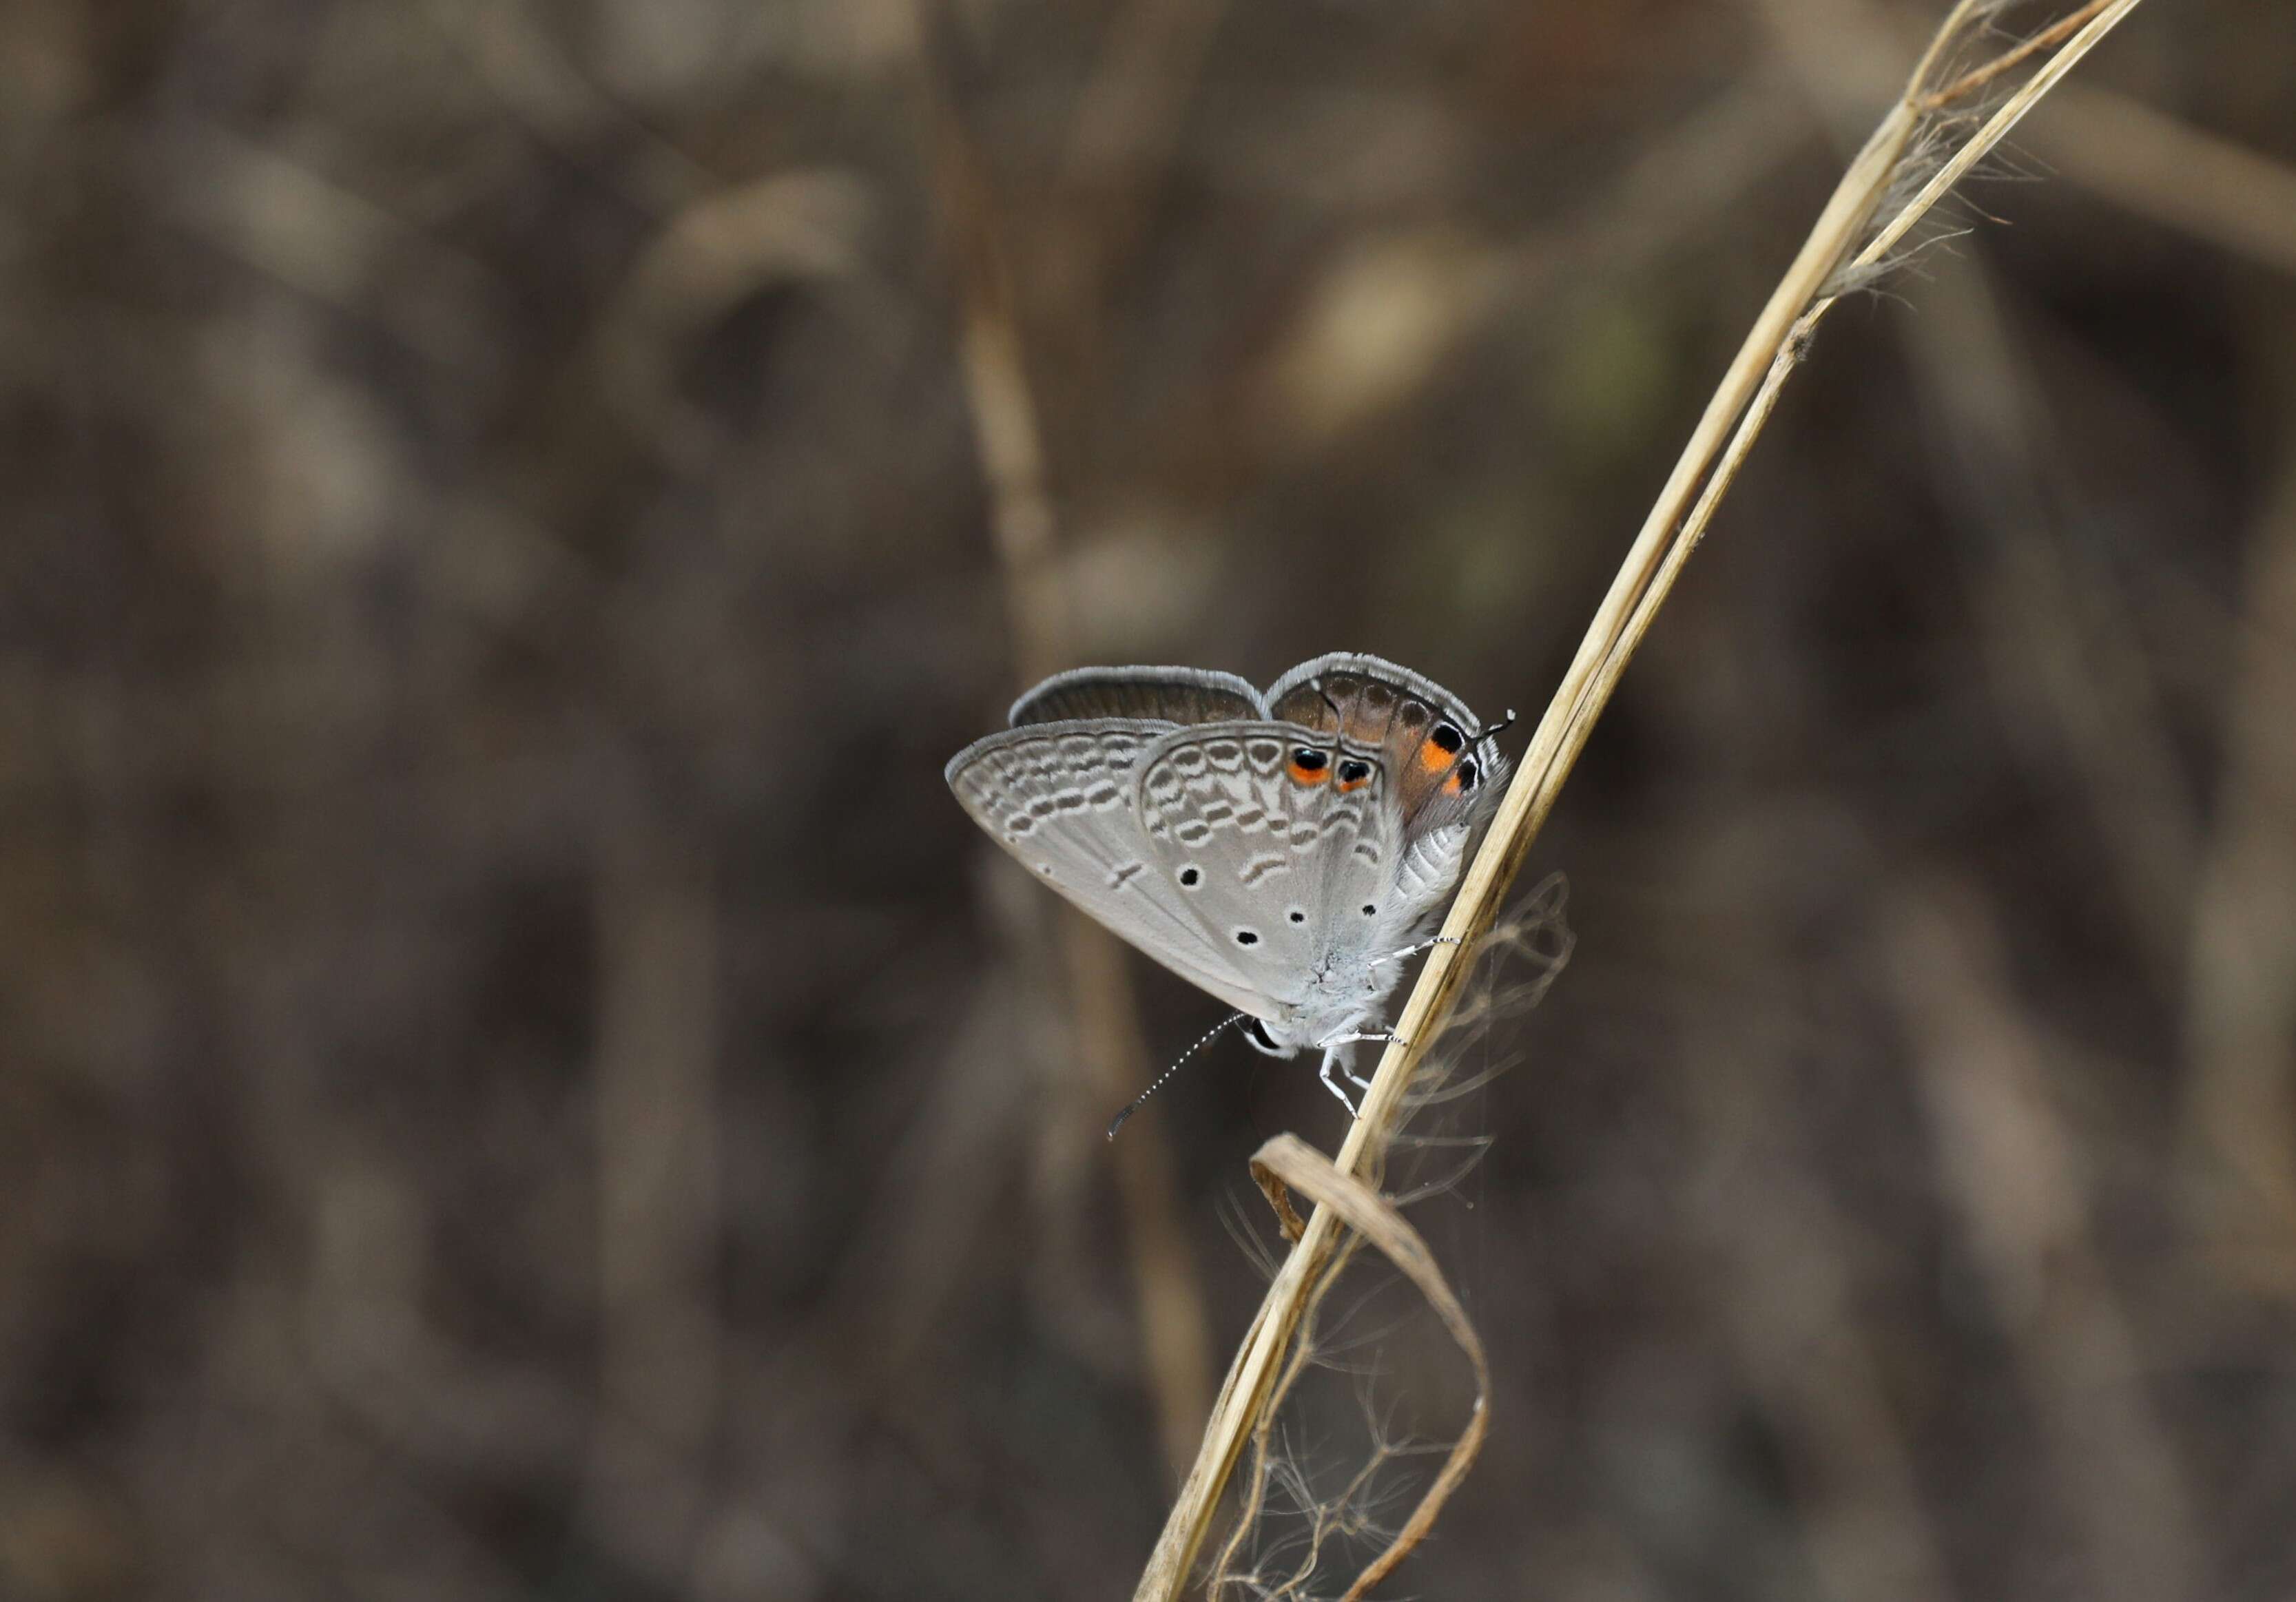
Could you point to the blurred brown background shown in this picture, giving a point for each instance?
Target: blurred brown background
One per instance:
(518, 1080)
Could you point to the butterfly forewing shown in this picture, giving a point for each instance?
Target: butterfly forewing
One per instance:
(1061, 798)
(1174, 695)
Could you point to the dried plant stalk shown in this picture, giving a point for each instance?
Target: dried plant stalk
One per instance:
(1534, 930)
(1287, 1160)
(1842, 247)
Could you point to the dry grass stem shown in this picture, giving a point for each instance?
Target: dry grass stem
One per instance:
(2158, 165)
(1536, 935)
(2056, 33)
(1287, 1160)
(1979, 146)
(1842, 234)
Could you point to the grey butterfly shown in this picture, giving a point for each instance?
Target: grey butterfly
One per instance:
(1281, 851)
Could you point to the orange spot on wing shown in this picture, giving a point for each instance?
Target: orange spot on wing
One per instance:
(1434, 758)
(1451, 786)
(1354, 784)
(1300, 775)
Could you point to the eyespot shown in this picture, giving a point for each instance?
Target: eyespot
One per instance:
(1442, 745)
(1297, 916)
(1189, 877)
(1309, 759)
(1370, 910)
(1467, 775)
(1247, 937)
(1354, 773)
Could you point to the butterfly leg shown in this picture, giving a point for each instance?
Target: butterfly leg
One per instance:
(1334, 1058)
(1385, 1036)
(1412, 950)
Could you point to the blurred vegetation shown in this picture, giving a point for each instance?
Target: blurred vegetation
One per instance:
(517, 1081)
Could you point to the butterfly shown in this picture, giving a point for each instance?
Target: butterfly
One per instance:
(1283, 851)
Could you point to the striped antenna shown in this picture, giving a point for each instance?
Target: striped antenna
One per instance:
(1133, 1106)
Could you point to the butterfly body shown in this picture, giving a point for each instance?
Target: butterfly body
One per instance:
(1279, 850)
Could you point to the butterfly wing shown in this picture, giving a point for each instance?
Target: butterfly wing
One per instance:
(1443, 768)
(1062, 798)
(1172, 695)
(1287, 867)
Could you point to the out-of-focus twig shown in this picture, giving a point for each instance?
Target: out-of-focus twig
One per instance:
(1175, 1346)
(1388, 311)
(2055, 629)
(2010, 1168)
(2169, 172)
(286, 218)
(657, 1218)
(2240, 1003)
(709, 256)
(548, 93)
(1782, 1259)
(1127, 122)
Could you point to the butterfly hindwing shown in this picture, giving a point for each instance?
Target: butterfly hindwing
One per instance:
(1287, 866)
(1442, 766)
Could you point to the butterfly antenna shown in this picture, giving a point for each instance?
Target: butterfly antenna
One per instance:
(1493, 732)
(1133, 1106)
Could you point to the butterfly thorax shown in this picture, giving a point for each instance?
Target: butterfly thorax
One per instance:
(1348, 999)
